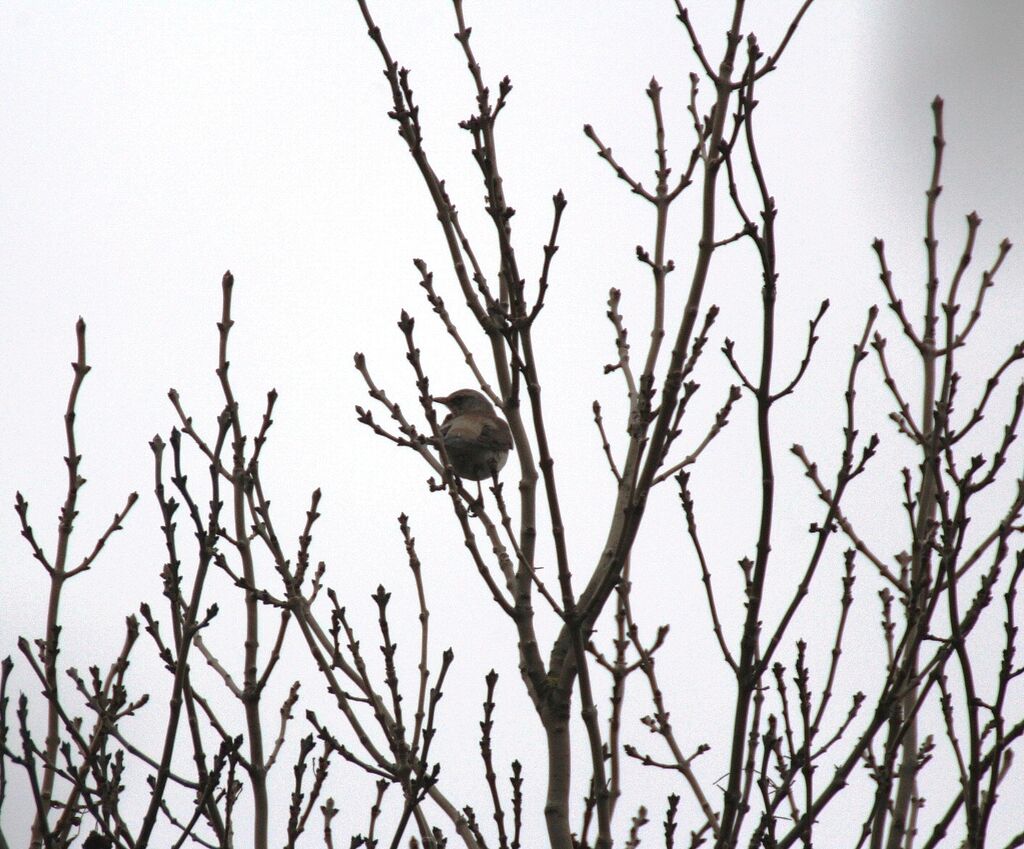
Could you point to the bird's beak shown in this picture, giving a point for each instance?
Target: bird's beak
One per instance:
(439, 399)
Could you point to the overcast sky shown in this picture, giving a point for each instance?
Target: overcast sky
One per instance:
(145, 148)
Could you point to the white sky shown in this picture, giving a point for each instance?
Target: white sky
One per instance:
(148, 147)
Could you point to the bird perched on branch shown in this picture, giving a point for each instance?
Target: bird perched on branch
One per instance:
(476, 439)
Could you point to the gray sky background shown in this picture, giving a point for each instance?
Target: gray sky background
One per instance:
(146, 148)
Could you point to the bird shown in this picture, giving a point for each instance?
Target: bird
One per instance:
(476, 439)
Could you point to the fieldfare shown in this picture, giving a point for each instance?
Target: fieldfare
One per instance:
(476, 439)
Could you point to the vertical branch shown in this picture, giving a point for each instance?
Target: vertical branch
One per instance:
(485, 753)
(190, 625)
(748, 674)
(239, 479)
(424, 617)
(920, 567)
(58, 574)
(6, 665)
(207, 535)
(646, 448)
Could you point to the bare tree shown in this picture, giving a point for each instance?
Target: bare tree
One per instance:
(956, 572)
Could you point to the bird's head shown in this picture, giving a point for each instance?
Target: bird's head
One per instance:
(465, 401)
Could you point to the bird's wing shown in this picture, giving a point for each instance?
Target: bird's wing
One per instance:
(496, 435)
(475, 432)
